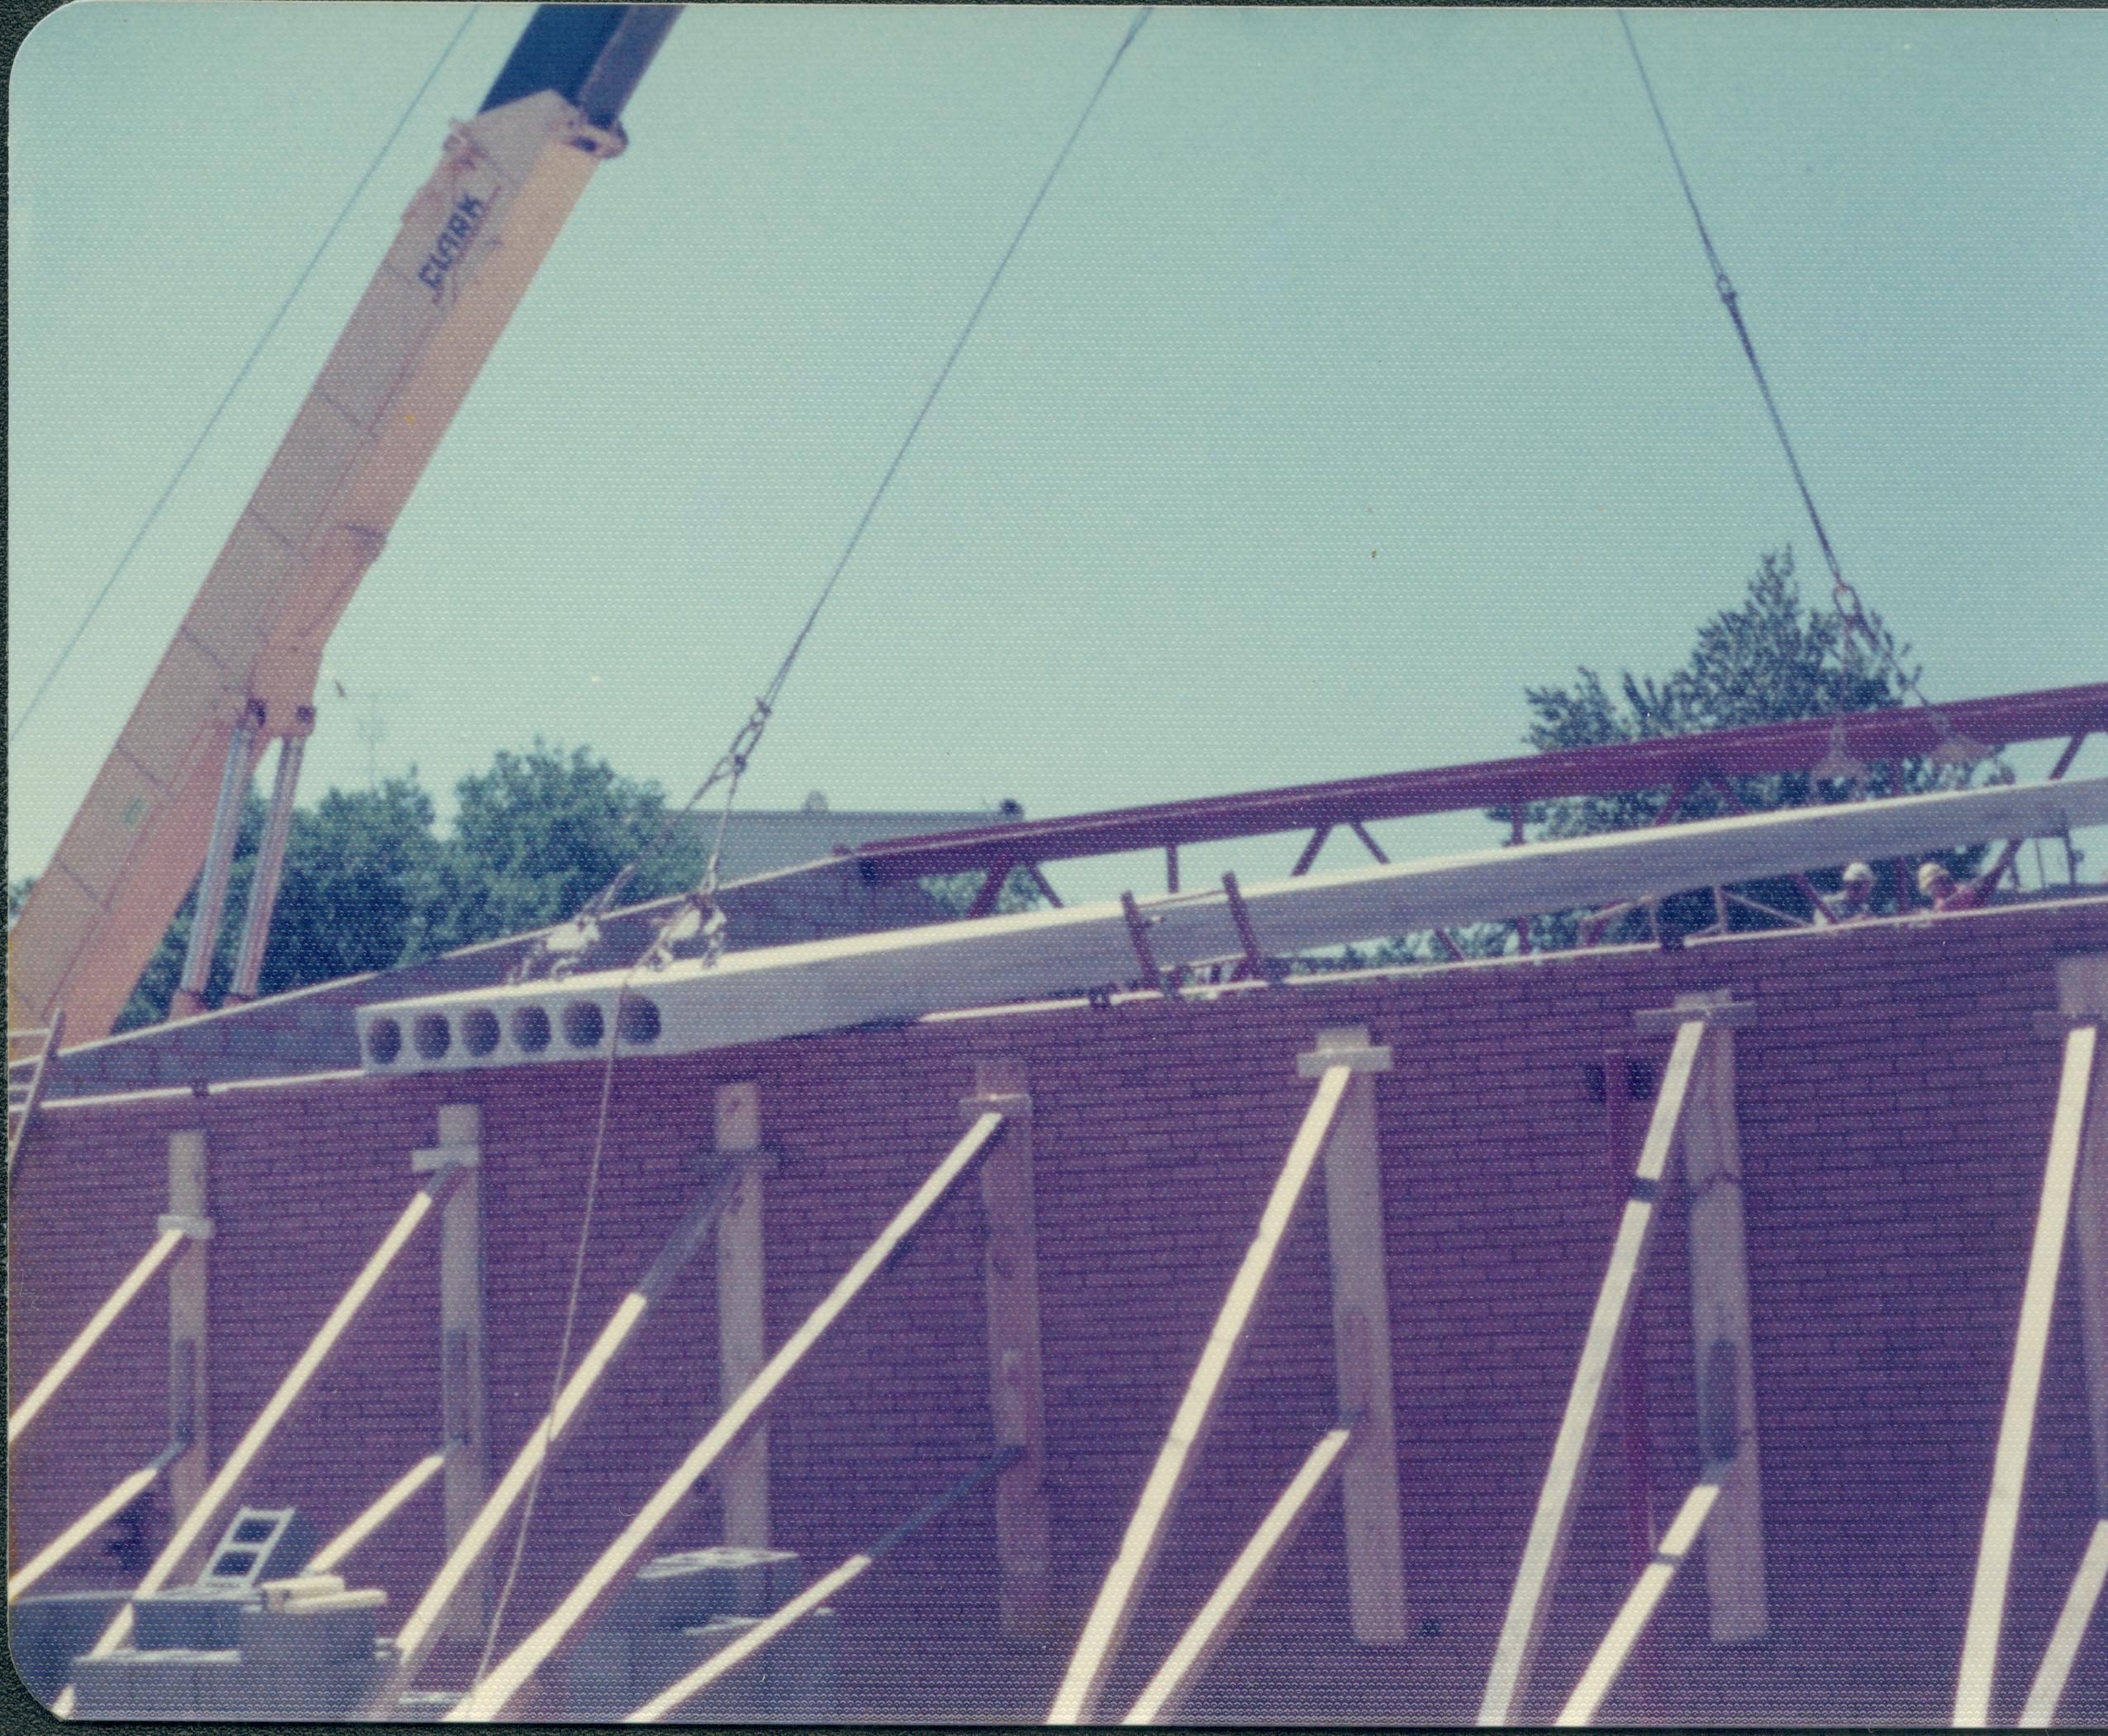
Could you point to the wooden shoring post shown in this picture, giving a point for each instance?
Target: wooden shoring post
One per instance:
(413, 1644)
(1631, 1620)
(2016, 1426)
(86, 1339)
(190, 1291)
(742, 1320)
(2082, 992)
(2063, 1650)
(1721, 1347)
(181, 1548)
(1361, 1336)
(1226, 1605)
(105, 1510)
(1515, 1650)
(491, 1696)
(1369, 843)
(377, 1513)
(721, 1664)
(1084, 1680)
(463, 1396)
(1171, 869)
(1016, 1403)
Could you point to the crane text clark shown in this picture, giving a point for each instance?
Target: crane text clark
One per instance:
(453, 242)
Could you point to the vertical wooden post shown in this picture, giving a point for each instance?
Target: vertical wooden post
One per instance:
(1011, 1277)
(461, 1350)
(2083, 987)
(1638, 1439)
(1361, 1339)
(1719, 1326)
(189, 1388)
(1644, 1671)
(742, 1329)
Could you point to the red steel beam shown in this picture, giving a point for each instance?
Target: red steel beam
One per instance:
(1659, 764)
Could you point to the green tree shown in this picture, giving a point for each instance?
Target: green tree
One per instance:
(541, 832)
(957, 892)
(364, 888)
(1773, 660)
(361, 891)
(368, 885)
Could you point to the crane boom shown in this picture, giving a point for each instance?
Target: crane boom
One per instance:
(242, 667)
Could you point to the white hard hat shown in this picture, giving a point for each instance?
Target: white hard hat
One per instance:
(1857, 871)
(1929, 875)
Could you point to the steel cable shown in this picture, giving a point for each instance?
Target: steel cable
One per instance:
(212, 421)
(732, 765)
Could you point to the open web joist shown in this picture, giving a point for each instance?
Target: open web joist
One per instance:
(777, 991)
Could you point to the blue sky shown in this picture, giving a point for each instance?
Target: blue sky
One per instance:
(1361, 370)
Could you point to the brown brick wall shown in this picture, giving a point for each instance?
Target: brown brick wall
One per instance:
(1895, 1103)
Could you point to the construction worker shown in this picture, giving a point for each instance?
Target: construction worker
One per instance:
(1856, 892)
(1937, 884)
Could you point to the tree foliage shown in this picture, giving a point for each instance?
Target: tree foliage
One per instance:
(1775, 658)
(368, 885)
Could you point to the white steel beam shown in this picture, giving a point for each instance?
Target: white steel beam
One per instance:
(1515, 1650)
(774, 991)
(1084, 1680)
(1226, 1605)
(2063, 1647)
(2016, 1429)
(91, 1334)
(1632, 1618)
(491, 1696)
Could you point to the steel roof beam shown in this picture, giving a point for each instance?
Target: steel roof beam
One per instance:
(1668, 762)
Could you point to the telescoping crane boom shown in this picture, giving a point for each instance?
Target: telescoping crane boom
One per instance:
(241, 668)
